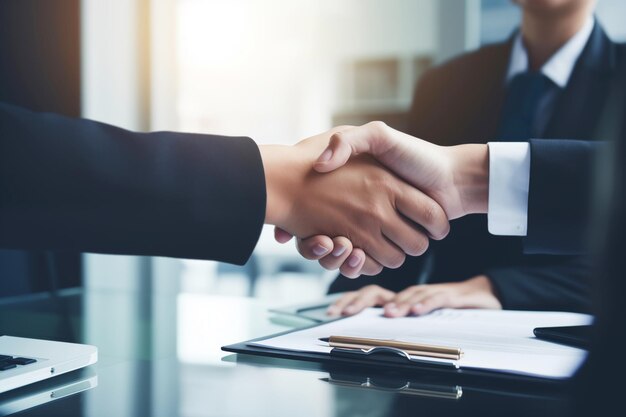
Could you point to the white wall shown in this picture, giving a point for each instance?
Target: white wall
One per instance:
(269, 69)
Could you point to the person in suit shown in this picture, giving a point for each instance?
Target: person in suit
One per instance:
(559, 174)
(595, 384)
(550, 80)
(78, 185)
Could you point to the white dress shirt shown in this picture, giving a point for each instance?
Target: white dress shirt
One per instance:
(509, 162)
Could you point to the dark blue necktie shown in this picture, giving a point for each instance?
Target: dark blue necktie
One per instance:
(522, 106)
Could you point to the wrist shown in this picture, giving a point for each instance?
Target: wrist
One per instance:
(277, 201)
(481, 284)
(282, 166)
(470, 170)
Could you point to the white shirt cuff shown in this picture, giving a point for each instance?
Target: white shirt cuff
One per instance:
(509, 178)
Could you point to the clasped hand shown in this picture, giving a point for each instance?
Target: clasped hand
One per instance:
(374, 217)
(353, 214)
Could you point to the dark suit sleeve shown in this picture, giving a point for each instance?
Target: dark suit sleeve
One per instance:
(550, 282)
(559, 205)
(560, 195)
(79, 185)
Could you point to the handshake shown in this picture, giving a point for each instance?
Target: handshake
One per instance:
(362, 198)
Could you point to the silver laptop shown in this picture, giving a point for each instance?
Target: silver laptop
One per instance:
(44, 392)
(24, 361)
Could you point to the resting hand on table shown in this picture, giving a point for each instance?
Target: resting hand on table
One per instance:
(475, 292)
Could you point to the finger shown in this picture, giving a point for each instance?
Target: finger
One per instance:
(394, 310)
(410, 293)
(337, 307)
(432, 302)
(385, 252)
(353, 265)
(369, 296)
(409, 237)
(369, 138)
(404, 306)
(424, 211)
(371, 267)
(315, 247)
(282, 236)
(342, 248)
(401, 304)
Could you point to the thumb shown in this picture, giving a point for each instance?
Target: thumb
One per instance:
(336, 154)
(371, 138)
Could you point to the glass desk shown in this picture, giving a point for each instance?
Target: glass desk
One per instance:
(160, 356)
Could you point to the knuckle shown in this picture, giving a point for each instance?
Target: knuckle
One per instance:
(348, 272)
(343, 241)
(418, 246)
(444, 230)
(432, 213)
(373, 213)
(378, 125)
(385, 181)
(372, 270)
(438, 220)
(396, 259)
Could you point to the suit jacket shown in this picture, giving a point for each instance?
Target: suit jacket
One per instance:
(460, 102)
(78, 185)
(595, 386)
(40, 70)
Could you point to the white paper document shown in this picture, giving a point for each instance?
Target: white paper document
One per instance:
(490, 339)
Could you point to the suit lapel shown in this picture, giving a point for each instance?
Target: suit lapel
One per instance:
(579, 106)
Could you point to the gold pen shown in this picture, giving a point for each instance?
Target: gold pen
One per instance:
(416, 349)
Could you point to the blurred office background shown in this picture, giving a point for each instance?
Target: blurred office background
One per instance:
(277, 71)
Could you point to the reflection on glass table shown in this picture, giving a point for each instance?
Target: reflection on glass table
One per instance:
(47, 391)
(159, 355)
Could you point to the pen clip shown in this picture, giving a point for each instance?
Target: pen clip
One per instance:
(382, 349)
(393, 355)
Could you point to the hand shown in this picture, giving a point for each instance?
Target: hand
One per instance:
(354, 302)
(362, 202)
(456, 177)
(475, 292)
(336, 253)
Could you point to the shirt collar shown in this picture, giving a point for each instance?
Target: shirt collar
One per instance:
(560, 65)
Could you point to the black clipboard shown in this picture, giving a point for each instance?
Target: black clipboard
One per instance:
(382, 359)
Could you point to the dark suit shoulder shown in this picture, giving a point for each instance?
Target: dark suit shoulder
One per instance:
(467, 89)
(471, 65)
